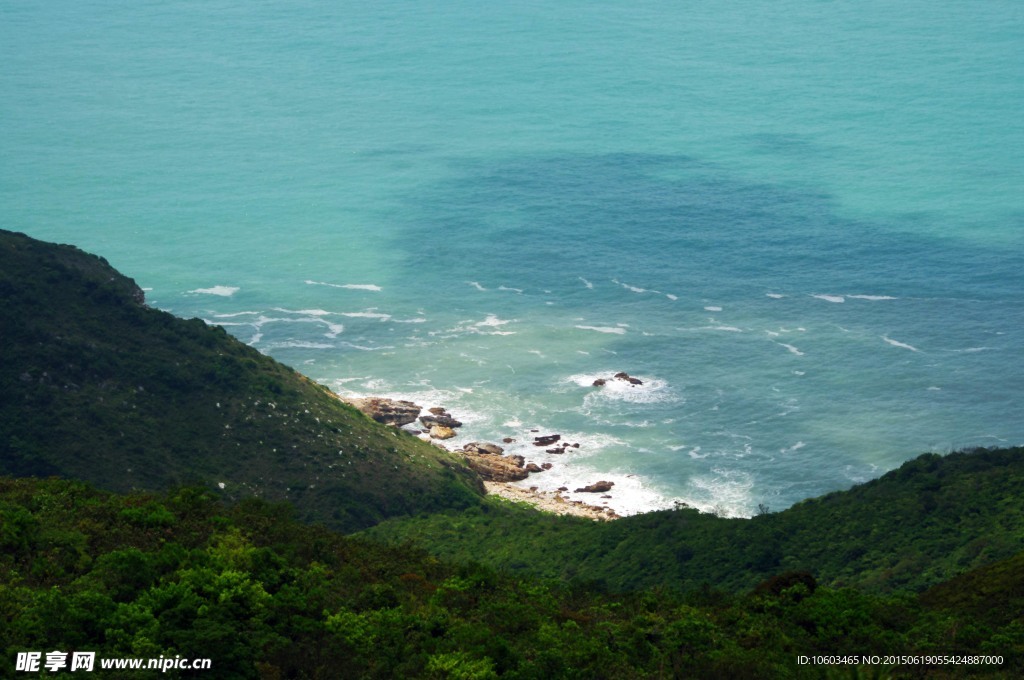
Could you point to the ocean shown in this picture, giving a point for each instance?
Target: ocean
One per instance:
(799, 224)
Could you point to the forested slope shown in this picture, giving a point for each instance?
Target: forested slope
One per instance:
(95, 385)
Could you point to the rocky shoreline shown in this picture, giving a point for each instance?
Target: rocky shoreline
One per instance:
(488, 460)
(550, 501)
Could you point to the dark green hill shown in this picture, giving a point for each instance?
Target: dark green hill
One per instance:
(94, 385)
(931, 519)
(180, 575)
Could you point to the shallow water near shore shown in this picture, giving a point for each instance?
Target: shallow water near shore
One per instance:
(800, 226)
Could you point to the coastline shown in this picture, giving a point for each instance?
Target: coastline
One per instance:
(550, 501)
(500, 470)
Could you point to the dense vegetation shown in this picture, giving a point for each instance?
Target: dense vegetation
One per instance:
(933, 518)
(94, 385)
(263, 596)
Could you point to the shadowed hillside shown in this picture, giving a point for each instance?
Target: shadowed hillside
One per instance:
(94, 385)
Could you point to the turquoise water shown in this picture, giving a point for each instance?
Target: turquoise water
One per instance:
(801, 224)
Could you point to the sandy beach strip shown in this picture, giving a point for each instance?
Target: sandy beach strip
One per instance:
(550, 501)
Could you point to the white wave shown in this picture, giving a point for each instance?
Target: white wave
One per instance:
(830, 298)
(775, 296)
(476, 285)
(229, 316)
(586, 283)
(334, 330)
(306, 312)
(301, 344)
(933, 388)
(368, 314)
(791, 348)
(730, 329)
(652, 390)
(222, 291)
(493, 320)
(670, 296)
(872, 297)
(896, 343)
(513, 290)
(415, 320)
(364, 347)
(618, 330)
(634, 289)
(628, 496)
(723, 492)
(712, 309)
(795, 447)
(349, 286)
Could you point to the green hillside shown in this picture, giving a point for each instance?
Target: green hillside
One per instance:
(181, 575)
(215, 463)
(94, 385)
(930, 520)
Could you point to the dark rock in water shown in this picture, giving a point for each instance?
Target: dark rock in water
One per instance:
(388, 411)
(533, 467)
(484, 448)
(438, 411)
(599, 382)
(443, 421)
(628, 378)
(546, 466)
(546, 440)
(518, 461)
(597, 487)
(563, 488)
(508, 440)
(576, 445)
(561, 450)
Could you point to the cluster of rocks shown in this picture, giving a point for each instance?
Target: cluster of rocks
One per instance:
(486, 459)
(597, 487)
(399, 413)
(440, 424)
(394, 412)
(488, 462)
(622, 376)
(549, 439)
